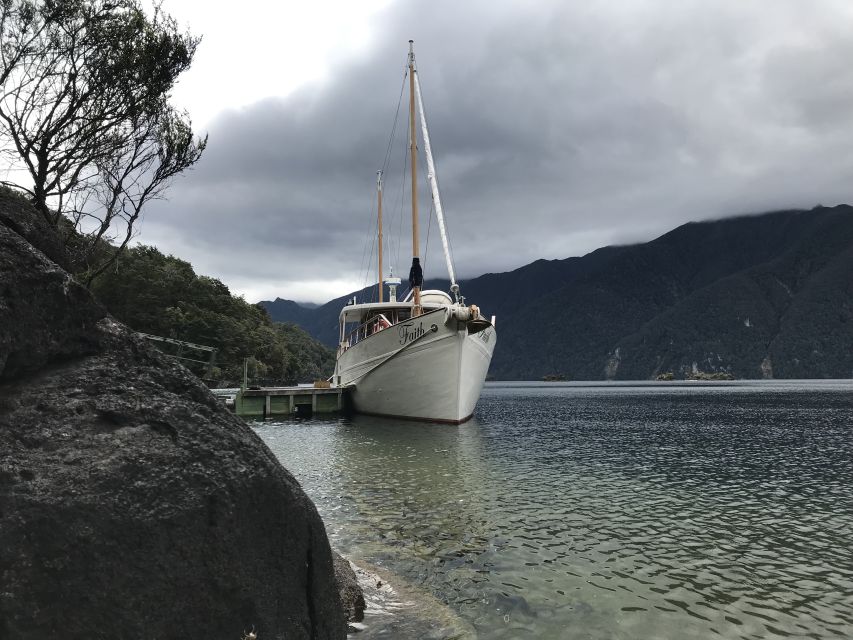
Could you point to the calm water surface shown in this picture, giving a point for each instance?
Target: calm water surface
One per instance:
(654, 510)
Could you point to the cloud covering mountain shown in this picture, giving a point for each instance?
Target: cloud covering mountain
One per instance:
(557, 128)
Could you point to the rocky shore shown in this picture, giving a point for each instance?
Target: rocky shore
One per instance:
(131, 503)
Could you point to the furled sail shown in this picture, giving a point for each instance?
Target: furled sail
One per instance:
(416, 274)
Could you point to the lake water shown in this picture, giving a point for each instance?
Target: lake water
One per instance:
(657, 510)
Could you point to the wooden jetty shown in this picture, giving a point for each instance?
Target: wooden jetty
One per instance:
(263, 402)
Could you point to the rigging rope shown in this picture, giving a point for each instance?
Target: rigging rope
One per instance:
(385, 165)
(402, 193)
(429, 229)
(396, 119)
(442, 220)
(399, 234)
(371, 241)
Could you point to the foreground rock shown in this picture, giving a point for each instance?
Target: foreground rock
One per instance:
(352, 597)
(131, 504)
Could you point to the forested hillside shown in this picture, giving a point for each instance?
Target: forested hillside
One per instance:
(756, 296)
(162, 295)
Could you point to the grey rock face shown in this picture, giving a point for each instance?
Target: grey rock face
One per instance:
(132, 505)
(350, 591)
(44, 315)
(18, 216)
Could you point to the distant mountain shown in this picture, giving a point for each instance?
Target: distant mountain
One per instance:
(756, 296)
(297, 312)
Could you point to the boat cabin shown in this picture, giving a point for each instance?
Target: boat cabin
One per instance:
(360, 321)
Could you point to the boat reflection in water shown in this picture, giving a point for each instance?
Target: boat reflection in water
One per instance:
(403, 496)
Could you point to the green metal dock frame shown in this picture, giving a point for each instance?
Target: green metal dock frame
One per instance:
(284, 401)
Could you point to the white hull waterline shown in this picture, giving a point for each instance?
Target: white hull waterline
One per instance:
(431, 367)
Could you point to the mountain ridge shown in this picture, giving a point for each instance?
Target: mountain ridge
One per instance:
(766, 295)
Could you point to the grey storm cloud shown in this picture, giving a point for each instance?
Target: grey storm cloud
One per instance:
(558, 127)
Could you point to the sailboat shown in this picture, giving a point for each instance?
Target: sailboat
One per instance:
(424, 357)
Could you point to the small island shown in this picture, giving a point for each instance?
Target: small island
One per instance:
(714, 375)
(669, 376)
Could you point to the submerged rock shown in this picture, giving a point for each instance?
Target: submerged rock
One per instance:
(131, 503)
(352, 597)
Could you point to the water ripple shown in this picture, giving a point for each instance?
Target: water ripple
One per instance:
(605, 511)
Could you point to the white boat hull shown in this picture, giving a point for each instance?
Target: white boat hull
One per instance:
(430, 368)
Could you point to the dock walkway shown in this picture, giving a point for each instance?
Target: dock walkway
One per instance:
(262, 402)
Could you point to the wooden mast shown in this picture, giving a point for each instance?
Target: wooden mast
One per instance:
(379, 196)
(413, 147)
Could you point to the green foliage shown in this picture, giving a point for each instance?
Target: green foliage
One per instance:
(162, 295)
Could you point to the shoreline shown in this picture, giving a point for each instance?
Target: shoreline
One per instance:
(396, 608)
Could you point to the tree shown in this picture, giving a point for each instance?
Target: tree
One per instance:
(85, 115)
(162, 295)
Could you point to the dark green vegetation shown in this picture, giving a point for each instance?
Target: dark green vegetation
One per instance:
(757, 296)
(162, 295)
(86, 119)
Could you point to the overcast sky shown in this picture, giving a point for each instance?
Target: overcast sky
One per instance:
(557, 128)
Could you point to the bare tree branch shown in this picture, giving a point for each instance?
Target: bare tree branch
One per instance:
(84, 112)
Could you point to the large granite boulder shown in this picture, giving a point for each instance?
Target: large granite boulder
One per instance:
(132, 505)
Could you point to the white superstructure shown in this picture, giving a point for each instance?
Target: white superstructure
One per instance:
(427, 367)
